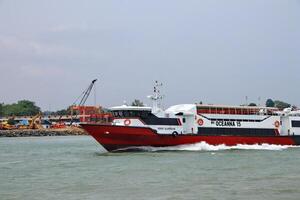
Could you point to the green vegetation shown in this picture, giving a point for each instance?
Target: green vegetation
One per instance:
(137, 102)
(252, 104)
(63, 112)
(27, 108)
(270, 103)
(281, 105)
(21, 108)
(278, 104)
(60, 112)
(1, 109)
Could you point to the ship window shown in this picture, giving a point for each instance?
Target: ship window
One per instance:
(126, 114)
(295, 123)
(143, 114)
(131, 113)
(116, 114)
(120, 114)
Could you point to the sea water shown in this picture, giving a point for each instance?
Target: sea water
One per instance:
(76, 167)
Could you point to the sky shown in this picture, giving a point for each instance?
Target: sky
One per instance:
(212, 51)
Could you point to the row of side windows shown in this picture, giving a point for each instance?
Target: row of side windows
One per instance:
(130, 113)
(238, 120)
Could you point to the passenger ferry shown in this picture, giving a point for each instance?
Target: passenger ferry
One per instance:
(134, 127)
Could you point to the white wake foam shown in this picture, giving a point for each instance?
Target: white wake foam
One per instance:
(203, 146)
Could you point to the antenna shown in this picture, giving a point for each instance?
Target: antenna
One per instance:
(156, 97)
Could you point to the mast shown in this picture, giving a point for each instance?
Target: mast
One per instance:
(156, 97)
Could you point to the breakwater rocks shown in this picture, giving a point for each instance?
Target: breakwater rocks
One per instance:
(42, 132)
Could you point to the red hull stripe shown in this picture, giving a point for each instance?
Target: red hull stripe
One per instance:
(115, 137)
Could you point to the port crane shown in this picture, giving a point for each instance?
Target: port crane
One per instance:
(84, 96)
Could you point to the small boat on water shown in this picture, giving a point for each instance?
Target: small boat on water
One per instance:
(134, 127)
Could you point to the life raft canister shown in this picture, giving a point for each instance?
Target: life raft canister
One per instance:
(127, 122)
(200, 122)
(277, 124)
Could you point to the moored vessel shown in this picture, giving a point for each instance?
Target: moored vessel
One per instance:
(135, 127)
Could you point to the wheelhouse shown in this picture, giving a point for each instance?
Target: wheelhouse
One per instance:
(130, 112)
(144, 114)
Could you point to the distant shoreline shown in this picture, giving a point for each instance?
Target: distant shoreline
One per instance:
(42, 132)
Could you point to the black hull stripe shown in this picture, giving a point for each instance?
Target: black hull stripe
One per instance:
(296, 139)
(236, 131)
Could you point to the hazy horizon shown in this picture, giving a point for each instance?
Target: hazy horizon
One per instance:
(210, 51)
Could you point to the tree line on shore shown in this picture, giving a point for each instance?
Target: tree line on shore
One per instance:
(21, 108)
(278, 104)
(275, 104)
(29, 108)
(26, 108)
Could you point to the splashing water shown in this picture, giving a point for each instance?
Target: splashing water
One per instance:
(203, 146)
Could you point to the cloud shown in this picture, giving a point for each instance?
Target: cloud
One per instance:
(28, 47)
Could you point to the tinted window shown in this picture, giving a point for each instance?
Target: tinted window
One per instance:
(130, 113)
(120, 114)
(126, 114)
(295, 123)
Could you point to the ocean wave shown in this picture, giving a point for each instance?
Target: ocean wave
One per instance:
(203, 146)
